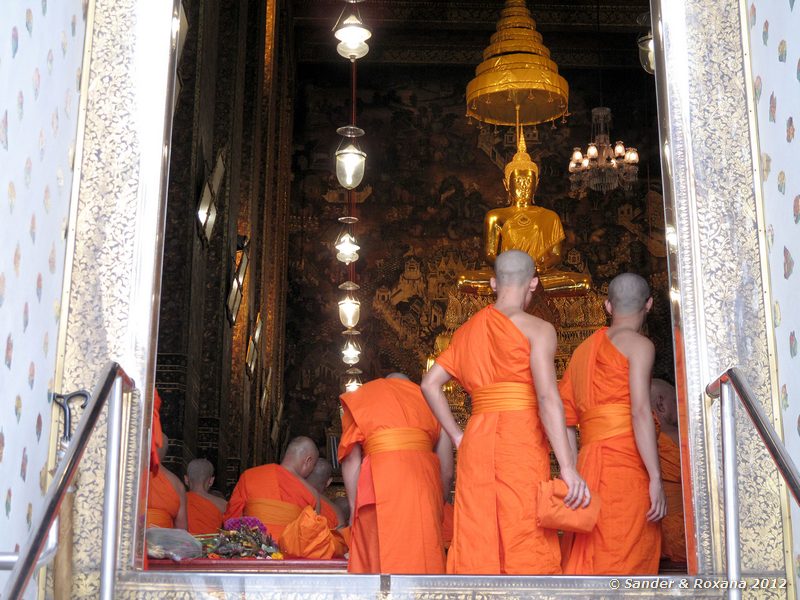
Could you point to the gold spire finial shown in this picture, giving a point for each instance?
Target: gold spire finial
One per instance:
(522, 160)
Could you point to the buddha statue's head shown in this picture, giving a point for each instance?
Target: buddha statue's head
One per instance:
(521, 175)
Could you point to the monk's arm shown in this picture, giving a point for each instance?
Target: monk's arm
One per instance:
(551, 412)
(640, 361)
(181, 520)
(238, 500)
(573, 440)
(444, 450)
(432, 389)
(351, 469)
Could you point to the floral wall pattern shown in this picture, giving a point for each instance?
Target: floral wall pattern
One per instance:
(41, 50)
(775, 56)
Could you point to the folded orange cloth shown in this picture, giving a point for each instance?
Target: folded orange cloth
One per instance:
(309, 536)
(552, 513)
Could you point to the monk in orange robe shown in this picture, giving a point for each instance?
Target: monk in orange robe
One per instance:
(320, 479)
(276, 494)
(157, 435)
(606, 391)
(504, 358)
(394, 459)
(673, 532)
(203, 510)
(285, 502)
(166, 496)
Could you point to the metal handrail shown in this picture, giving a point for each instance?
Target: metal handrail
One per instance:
(775, 447)
(26, 563)
(727, 387)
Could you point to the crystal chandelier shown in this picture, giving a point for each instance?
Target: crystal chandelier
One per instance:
(603, 167)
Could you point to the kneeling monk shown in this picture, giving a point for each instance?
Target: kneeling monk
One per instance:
(166, 496)
(504, 358)
(282, 499)
(203, 510)
(320, 479)
(673, 531)
(606, 390)
(395, 463)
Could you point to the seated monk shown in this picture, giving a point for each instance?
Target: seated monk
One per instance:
(166, 496)
(287, 504)
(606, 391)
(673, 534)
(320, 478)
(276, 494)
(203, 509)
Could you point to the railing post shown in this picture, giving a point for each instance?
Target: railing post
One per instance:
(108, 566)
(729, 471)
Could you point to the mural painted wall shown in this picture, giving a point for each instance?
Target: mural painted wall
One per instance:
(431, 176)
(775, 56)
(40, 73)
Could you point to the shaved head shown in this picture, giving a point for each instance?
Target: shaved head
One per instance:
(628, 293)
(664, 402)
(301, 456)
(513, 268)
(397, 376)
(301, 447)
(199, 471)
(320, 477)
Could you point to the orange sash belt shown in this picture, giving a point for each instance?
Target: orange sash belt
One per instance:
(503, 396)
(398, 438)
(272, 512)
(605, 421)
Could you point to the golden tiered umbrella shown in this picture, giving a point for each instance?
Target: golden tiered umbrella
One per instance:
(517, 74)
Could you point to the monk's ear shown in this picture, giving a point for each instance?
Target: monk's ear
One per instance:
(534, 283)
(493, 284)
(609, 308)
(186, 480)
(649, 304)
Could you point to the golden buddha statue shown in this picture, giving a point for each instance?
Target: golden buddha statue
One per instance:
(524, 226)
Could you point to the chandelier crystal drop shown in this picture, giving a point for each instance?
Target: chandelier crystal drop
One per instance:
(604, 166)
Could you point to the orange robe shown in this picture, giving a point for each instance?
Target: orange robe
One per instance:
(271, 494)
(157, 436)
(397, 526)
(163, 501)
(596, 394)
(447, 525)
(202, 514)
(673, 534)
(503, 455)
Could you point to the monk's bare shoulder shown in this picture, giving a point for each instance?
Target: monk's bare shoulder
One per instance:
(632, 344)
(534, 328)
(220, 503)
(173, 479)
